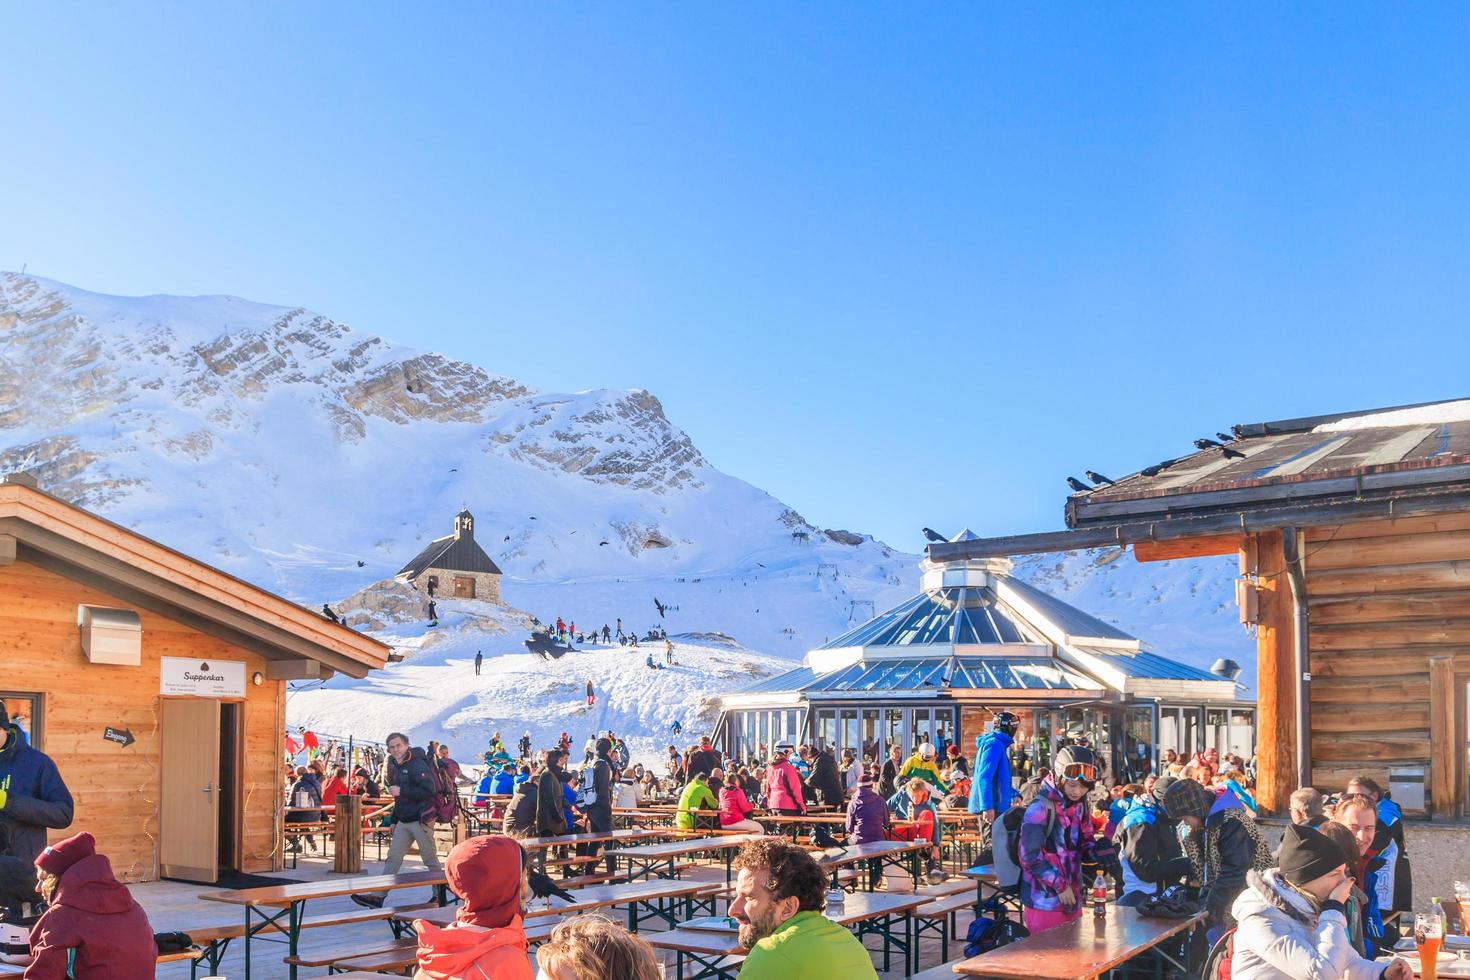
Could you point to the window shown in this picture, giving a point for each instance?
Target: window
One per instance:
(1138, 741)
(825, 733)
(849, 730)
(872, 748)
(1217, 731)
(1243, 732)
(464, 587)
(25, 713)
(893, 729)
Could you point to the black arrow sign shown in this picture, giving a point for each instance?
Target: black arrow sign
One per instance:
(121, 736)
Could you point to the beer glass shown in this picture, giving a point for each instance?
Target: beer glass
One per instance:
(1428, 937)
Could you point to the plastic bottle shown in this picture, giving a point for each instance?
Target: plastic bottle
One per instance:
(1099, 896)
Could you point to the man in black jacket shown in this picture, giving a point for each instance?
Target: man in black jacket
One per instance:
(824, 781)
(411, 785)
(551, 814)
(33, 797)
(703, 760)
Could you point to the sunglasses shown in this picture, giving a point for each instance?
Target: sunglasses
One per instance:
(1080, 770)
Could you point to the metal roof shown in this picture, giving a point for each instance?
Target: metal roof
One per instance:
(1073, 621)
(960, 614)
(791, 680)
(1143, 664)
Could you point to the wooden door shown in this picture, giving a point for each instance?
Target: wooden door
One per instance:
(189, 823)
(464, 587)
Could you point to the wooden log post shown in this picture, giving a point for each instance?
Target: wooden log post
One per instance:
(1444, 787)
(1275, 675)
(348, 835)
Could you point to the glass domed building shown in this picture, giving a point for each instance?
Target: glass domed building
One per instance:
(977, 640)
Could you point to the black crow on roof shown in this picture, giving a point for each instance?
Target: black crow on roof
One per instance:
(1224, 437)
(934, 535)
(1205, 444)
(1097, 478)
(1078, 485)
(1231, 453)
(1157, 467)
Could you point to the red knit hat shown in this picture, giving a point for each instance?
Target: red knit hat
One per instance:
(55, 859)
(486, 873)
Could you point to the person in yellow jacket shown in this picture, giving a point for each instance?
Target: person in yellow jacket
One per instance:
(921, 764)
(696, 796)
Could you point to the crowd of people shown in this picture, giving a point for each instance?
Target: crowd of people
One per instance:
(1325, 903)
(565, 632)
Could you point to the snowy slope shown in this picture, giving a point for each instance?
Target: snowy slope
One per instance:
(288, 449)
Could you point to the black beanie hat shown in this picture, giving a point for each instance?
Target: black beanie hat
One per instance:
(1307, 854)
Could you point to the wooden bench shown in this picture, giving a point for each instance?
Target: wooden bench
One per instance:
(8, 972)
(537, 932)
(939, 916)
(347, 950)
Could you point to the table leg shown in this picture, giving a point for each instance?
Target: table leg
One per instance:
(294, 923)
(247, 942)
(911, 941)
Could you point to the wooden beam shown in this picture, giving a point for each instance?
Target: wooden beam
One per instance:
(1385, 579)
(1405, 606)
(1375, 529)
(1391, 550)
(1215, 544)
(1444, 786)
(1275, 682)
(1391, 749)
(7, 549)
(1368, 635)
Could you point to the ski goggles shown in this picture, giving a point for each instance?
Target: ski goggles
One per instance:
(1084, 771)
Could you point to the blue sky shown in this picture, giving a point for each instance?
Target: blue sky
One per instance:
(900, 265)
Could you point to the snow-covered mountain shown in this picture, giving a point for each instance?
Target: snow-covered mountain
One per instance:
(288, 449)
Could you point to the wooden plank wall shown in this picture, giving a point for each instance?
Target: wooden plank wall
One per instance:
(1389, 613)
(116, 788)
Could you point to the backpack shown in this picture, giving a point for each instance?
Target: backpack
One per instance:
(587, 791)
(987, 934)
(1006, 843)
(15, 938)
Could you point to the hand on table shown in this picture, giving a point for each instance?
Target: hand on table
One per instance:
(1398, 969)
(1068, 898)
(392, 790)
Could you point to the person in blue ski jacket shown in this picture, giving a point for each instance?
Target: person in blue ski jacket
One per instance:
(504, 783)
(33, 797)
(992, 791)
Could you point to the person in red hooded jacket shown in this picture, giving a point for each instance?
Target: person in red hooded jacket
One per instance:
(487, 940)
(91, 912)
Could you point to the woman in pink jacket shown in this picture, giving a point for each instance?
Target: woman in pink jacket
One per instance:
(735, 808)
(782, 788)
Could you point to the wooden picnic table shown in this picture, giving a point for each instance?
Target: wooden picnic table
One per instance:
(870, 913)
(650, 859)
(597, 837)
(649, 895)
(902, 854)
(289, 901)
(1080, 950)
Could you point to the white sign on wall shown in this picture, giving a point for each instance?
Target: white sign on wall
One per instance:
(202, 678)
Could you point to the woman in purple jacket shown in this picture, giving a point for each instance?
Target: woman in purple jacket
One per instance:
(867, 819)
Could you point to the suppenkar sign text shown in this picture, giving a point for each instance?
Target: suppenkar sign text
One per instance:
(202, 678)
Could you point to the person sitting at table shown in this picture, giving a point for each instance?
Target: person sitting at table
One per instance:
(867, 822)
(782, 787)
(735, 808)
(334, 787)
(1148, 845)
(1224, 843)
(487, 940)
(779, 896)
(1356, 906)
(305, 794)
(593, 947)
(1056, 839)
(363, 784)
(92, 928)
(1292, 920)
(913, 803)
(647, 788)
(1358, 814)
(696, 796)
(1308, 806)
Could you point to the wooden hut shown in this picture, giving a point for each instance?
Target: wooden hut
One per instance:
(1353, 537)
(157, 684)
(454, 566)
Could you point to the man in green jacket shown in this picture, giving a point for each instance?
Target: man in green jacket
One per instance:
(696, 796)
(779, 896)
